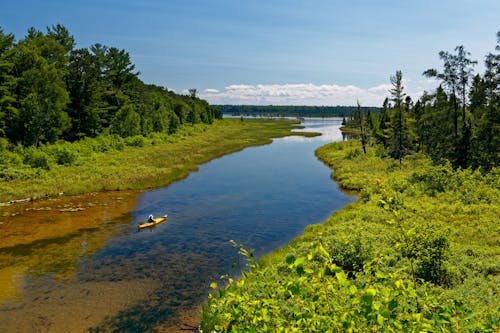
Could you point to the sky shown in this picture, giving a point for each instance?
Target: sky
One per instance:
(280, 52)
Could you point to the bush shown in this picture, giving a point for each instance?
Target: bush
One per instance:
(107, 143)
(63, 153)
(349, 253)
(353, 153)
(436, 180)
(37, 159)
(429, 249)
(135, 141)
(312, 294)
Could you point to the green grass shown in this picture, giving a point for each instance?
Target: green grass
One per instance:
(112, 163)
(348, 129)
(418, 252)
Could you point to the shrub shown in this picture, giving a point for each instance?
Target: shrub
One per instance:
(37, 158)
(106, 143)
(349, 253)
(312, 294)
(353, 153)
(62, 153)
(135, 141)
(429, 249)
(434, 181)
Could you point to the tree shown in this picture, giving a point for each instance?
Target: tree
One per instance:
(485, 107)
(399, 141)
(49, 91)
(126, 122)
(464, 70)
(62, 36)
(361, 122)
(8, 81)
(449, 78)
(39, 63)
(381, 132)
(85, 90)
(192, 93)
(456, 77)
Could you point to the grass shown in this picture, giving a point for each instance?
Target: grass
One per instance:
(348, 129)
(418, 252)
(137, 163)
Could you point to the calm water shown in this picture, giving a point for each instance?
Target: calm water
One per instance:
(261, 197)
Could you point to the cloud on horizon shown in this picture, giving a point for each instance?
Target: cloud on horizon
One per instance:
(299, 94)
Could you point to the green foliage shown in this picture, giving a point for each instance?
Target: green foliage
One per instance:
(349, 253)
(292, 110)
(126, 122)
(63, 153)
(135, 141)
(458, 123)
(50, 91)
(313, 294)
(36, 158)
(419, 253)
(430, 251)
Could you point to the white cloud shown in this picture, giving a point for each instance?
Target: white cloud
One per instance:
(298, 94)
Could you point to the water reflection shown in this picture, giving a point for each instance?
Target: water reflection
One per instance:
(104, 275)
(349, 135)
(40, 252)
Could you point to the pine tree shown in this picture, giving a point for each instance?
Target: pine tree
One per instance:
(399, 141)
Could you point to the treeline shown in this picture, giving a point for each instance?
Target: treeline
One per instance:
(291, 110)
(459, 122)
(51, 90)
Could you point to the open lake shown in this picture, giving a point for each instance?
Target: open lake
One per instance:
(91, 270)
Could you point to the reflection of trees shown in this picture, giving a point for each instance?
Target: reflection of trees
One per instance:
(52, 244)
(349, 135)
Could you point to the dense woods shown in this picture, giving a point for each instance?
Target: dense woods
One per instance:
(50, 90)
(459, 122)
(292, 110)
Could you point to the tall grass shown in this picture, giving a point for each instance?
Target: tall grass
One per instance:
(113, 163)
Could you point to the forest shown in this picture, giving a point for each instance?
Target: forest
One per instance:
(291, 110)
(459, 122)
(50, 90)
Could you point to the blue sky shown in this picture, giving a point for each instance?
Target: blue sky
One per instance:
(275, 51)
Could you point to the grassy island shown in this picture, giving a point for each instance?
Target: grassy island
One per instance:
(418, 252)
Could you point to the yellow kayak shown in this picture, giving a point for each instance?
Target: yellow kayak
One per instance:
(157, 221)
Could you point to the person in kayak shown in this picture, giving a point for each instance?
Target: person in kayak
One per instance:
(151, 218)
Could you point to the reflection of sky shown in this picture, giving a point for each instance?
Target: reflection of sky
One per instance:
(328, 127)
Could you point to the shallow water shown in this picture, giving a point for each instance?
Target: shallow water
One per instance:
(92, 270)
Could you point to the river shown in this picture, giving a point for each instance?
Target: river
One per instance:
(83, 265)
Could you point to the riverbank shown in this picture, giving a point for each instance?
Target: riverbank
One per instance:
(350, 130)
(155, 163)
(422, 243)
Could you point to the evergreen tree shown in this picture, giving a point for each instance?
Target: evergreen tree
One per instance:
(8, 82)
(381, 132)
(83, 81)
(399, 141)
(39, 62)
(126, 122)
(485, 107)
